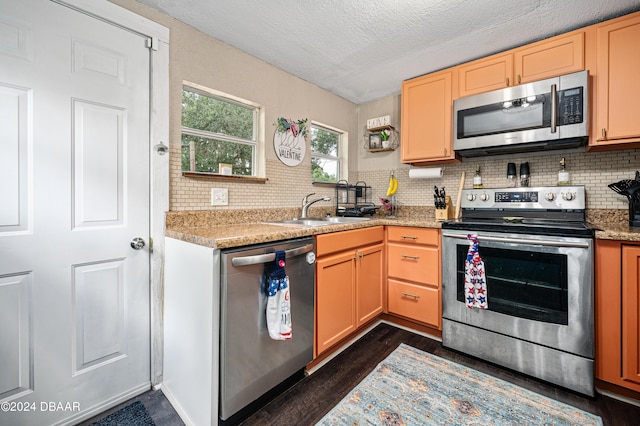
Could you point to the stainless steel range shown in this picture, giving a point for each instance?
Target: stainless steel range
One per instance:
(537, 252)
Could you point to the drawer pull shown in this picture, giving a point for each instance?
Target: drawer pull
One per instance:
(409, 237)
(406, 256)
(415, 296)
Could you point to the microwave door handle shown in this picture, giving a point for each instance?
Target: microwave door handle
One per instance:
(554, 107)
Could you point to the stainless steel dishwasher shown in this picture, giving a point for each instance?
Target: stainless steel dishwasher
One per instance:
(251, 363)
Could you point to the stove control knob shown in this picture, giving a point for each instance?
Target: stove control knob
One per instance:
(471, 197)
(568, 196)
(484, 196)
(550, 196)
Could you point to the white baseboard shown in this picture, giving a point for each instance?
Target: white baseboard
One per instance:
(362, 333)
(421, 333)
(618, 397)
(176, 406)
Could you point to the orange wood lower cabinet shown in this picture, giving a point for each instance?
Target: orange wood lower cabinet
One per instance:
(417, 302)
(349, 283)
(631, 314)
(617, 316)
(335, 295)
(414, 274)
(420, 264)
(369, 283)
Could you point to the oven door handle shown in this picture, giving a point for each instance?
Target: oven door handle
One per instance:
(550, 243)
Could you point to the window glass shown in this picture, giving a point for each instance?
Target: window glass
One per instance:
(215, 131)
(325, 159)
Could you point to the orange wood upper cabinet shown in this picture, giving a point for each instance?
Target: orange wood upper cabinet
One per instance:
(556, 56)
(617, 314)
(631, 314)
(426, 125)
(617, 82)
(549, 58)
(483, 75)
(349, 283)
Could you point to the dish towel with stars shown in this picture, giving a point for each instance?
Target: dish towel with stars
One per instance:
(475, 281)
(279, 300)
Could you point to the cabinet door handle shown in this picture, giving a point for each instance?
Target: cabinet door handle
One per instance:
(407, 256)
(604, 133)
(415, 296)
(409, 237)
(519, 79)
(507, 81)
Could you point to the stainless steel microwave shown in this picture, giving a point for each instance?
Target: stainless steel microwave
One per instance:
(543, 115)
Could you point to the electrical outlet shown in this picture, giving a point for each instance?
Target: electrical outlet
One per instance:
(219, 197)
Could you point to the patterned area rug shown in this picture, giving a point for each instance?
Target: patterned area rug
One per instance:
(411, 387)
(133, 414)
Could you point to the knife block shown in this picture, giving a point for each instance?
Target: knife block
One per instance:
(446, 213)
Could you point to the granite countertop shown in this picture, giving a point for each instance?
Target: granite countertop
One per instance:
(236, 235)
(620, 232)
(227, 229)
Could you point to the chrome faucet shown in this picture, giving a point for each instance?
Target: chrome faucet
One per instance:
(306, 203)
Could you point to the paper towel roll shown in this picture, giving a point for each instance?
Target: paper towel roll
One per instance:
(430, 173)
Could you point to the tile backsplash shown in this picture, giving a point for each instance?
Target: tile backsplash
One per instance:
(594, 170)
(286, 186)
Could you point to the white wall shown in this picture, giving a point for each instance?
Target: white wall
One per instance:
(198, 58)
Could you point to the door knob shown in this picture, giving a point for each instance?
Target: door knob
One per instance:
(137, 243)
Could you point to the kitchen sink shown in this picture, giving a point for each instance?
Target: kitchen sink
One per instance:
(320, 221)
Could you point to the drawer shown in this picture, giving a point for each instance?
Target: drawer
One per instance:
(415, 302)
(408, 235)
(345, 240)
(414, 263)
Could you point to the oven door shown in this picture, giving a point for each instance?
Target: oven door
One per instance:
(540, 288)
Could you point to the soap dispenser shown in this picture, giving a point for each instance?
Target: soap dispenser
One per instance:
(563, 174)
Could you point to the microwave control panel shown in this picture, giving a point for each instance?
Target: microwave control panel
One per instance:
(570, 106)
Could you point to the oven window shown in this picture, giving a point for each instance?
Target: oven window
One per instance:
(523, 284)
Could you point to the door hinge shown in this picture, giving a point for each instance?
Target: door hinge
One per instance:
(152, 43)
(150, 244)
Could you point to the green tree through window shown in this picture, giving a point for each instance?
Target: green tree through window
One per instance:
(217, 130)
(325, 160)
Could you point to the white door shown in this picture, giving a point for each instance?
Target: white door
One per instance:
(74, 191)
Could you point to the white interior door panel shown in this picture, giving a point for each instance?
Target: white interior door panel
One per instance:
(74, 185)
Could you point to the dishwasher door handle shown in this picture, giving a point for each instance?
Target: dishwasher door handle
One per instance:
(269, 257)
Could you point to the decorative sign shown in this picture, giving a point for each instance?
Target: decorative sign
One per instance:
(373, 123)
(289, 141)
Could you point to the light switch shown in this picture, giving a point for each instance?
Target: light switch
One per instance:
(219, 197)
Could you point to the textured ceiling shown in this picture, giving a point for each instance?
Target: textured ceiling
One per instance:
(363, 49)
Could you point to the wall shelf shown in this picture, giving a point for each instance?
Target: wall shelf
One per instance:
(394, 139)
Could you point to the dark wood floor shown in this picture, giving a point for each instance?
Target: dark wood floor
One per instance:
(311, 398)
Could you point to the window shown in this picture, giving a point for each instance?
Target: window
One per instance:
(218, 130)
(325, 154)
